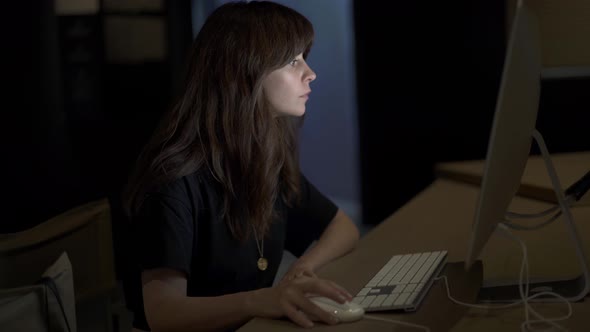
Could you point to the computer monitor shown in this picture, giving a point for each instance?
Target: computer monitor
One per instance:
(510, 142)
(511, 135)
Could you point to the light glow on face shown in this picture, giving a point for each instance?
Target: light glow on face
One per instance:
(287, 88)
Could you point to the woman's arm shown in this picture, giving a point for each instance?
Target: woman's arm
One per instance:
(340, 237)
(167, 307)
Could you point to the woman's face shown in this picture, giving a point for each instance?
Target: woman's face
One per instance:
(287, 88)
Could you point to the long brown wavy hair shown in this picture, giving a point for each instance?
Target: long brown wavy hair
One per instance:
(222, 121)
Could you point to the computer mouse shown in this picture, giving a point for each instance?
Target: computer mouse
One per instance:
(346, 312)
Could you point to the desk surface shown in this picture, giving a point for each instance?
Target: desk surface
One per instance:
(535, 181)
(440, 217)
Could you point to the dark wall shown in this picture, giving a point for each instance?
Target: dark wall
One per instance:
(427, 80)
(79, 120)
(428, 75)
(41, 173)
(564, 115)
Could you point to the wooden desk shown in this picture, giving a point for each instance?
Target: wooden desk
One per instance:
(535, 181)
(440, 217)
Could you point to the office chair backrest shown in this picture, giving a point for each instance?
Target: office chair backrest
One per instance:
(83, 232)
(46, 305)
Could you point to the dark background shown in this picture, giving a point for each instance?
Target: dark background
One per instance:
(428, 75)
(80, 120)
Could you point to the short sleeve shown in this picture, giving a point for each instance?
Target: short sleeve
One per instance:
(164, 231)
(307, 220)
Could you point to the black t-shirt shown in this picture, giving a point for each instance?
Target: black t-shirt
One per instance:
(179, 226)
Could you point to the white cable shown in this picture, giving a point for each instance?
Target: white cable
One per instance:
(523, 288)
(568, 218)
(516, 226)
(399, 322)
(517, 215)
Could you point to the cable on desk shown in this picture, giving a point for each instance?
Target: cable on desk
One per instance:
(572, 194)
(518, 215)
(511, 224)
(520, 227)
(523, 287)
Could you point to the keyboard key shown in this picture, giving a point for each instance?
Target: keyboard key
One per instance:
(433, 267)
(410, 287)
(429, 261)
(399, 288)
(419, 287)
(378, 301)
(415, 267)
(383, 282)
(411, 298)
(358, 299)
(389, 301)
(402, 272)
(368, 300)
(401, 299)
(392, 262)
(373, 282)
(363, 292)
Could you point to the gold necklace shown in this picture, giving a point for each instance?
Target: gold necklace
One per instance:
(262, 262)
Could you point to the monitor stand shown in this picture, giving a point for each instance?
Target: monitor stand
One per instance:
(571, 289)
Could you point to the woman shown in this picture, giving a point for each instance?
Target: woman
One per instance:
(217, 194)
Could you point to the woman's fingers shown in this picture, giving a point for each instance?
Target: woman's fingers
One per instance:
(297, 305)
(310, 309)
(296, 316)
(343, 291)
(298, 274)
(321, 287)
(328, 289)
(307, 310)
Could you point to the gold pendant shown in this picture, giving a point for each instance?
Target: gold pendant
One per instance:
(262, 263)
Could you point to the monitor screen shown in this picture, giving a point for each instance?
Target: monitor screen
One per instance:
(510, 139)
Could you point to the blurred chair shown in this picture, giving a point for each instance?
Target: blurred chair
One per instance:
(46, 306)
(84, 232)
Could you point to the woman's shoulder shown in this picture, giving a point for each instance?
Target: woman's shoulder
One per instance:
(185, 188)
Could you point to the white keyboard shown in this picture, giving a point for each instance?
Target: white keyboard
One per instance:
(402, 282)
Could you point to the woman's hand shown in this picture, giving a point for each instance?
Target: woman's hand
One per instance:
(291, 298)
(298, 269)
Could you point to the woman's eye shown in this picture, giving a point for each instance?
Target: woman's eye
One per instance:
(293, 62)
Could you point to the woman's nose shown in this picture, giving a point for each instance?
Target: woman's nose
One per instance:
(310, 75)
